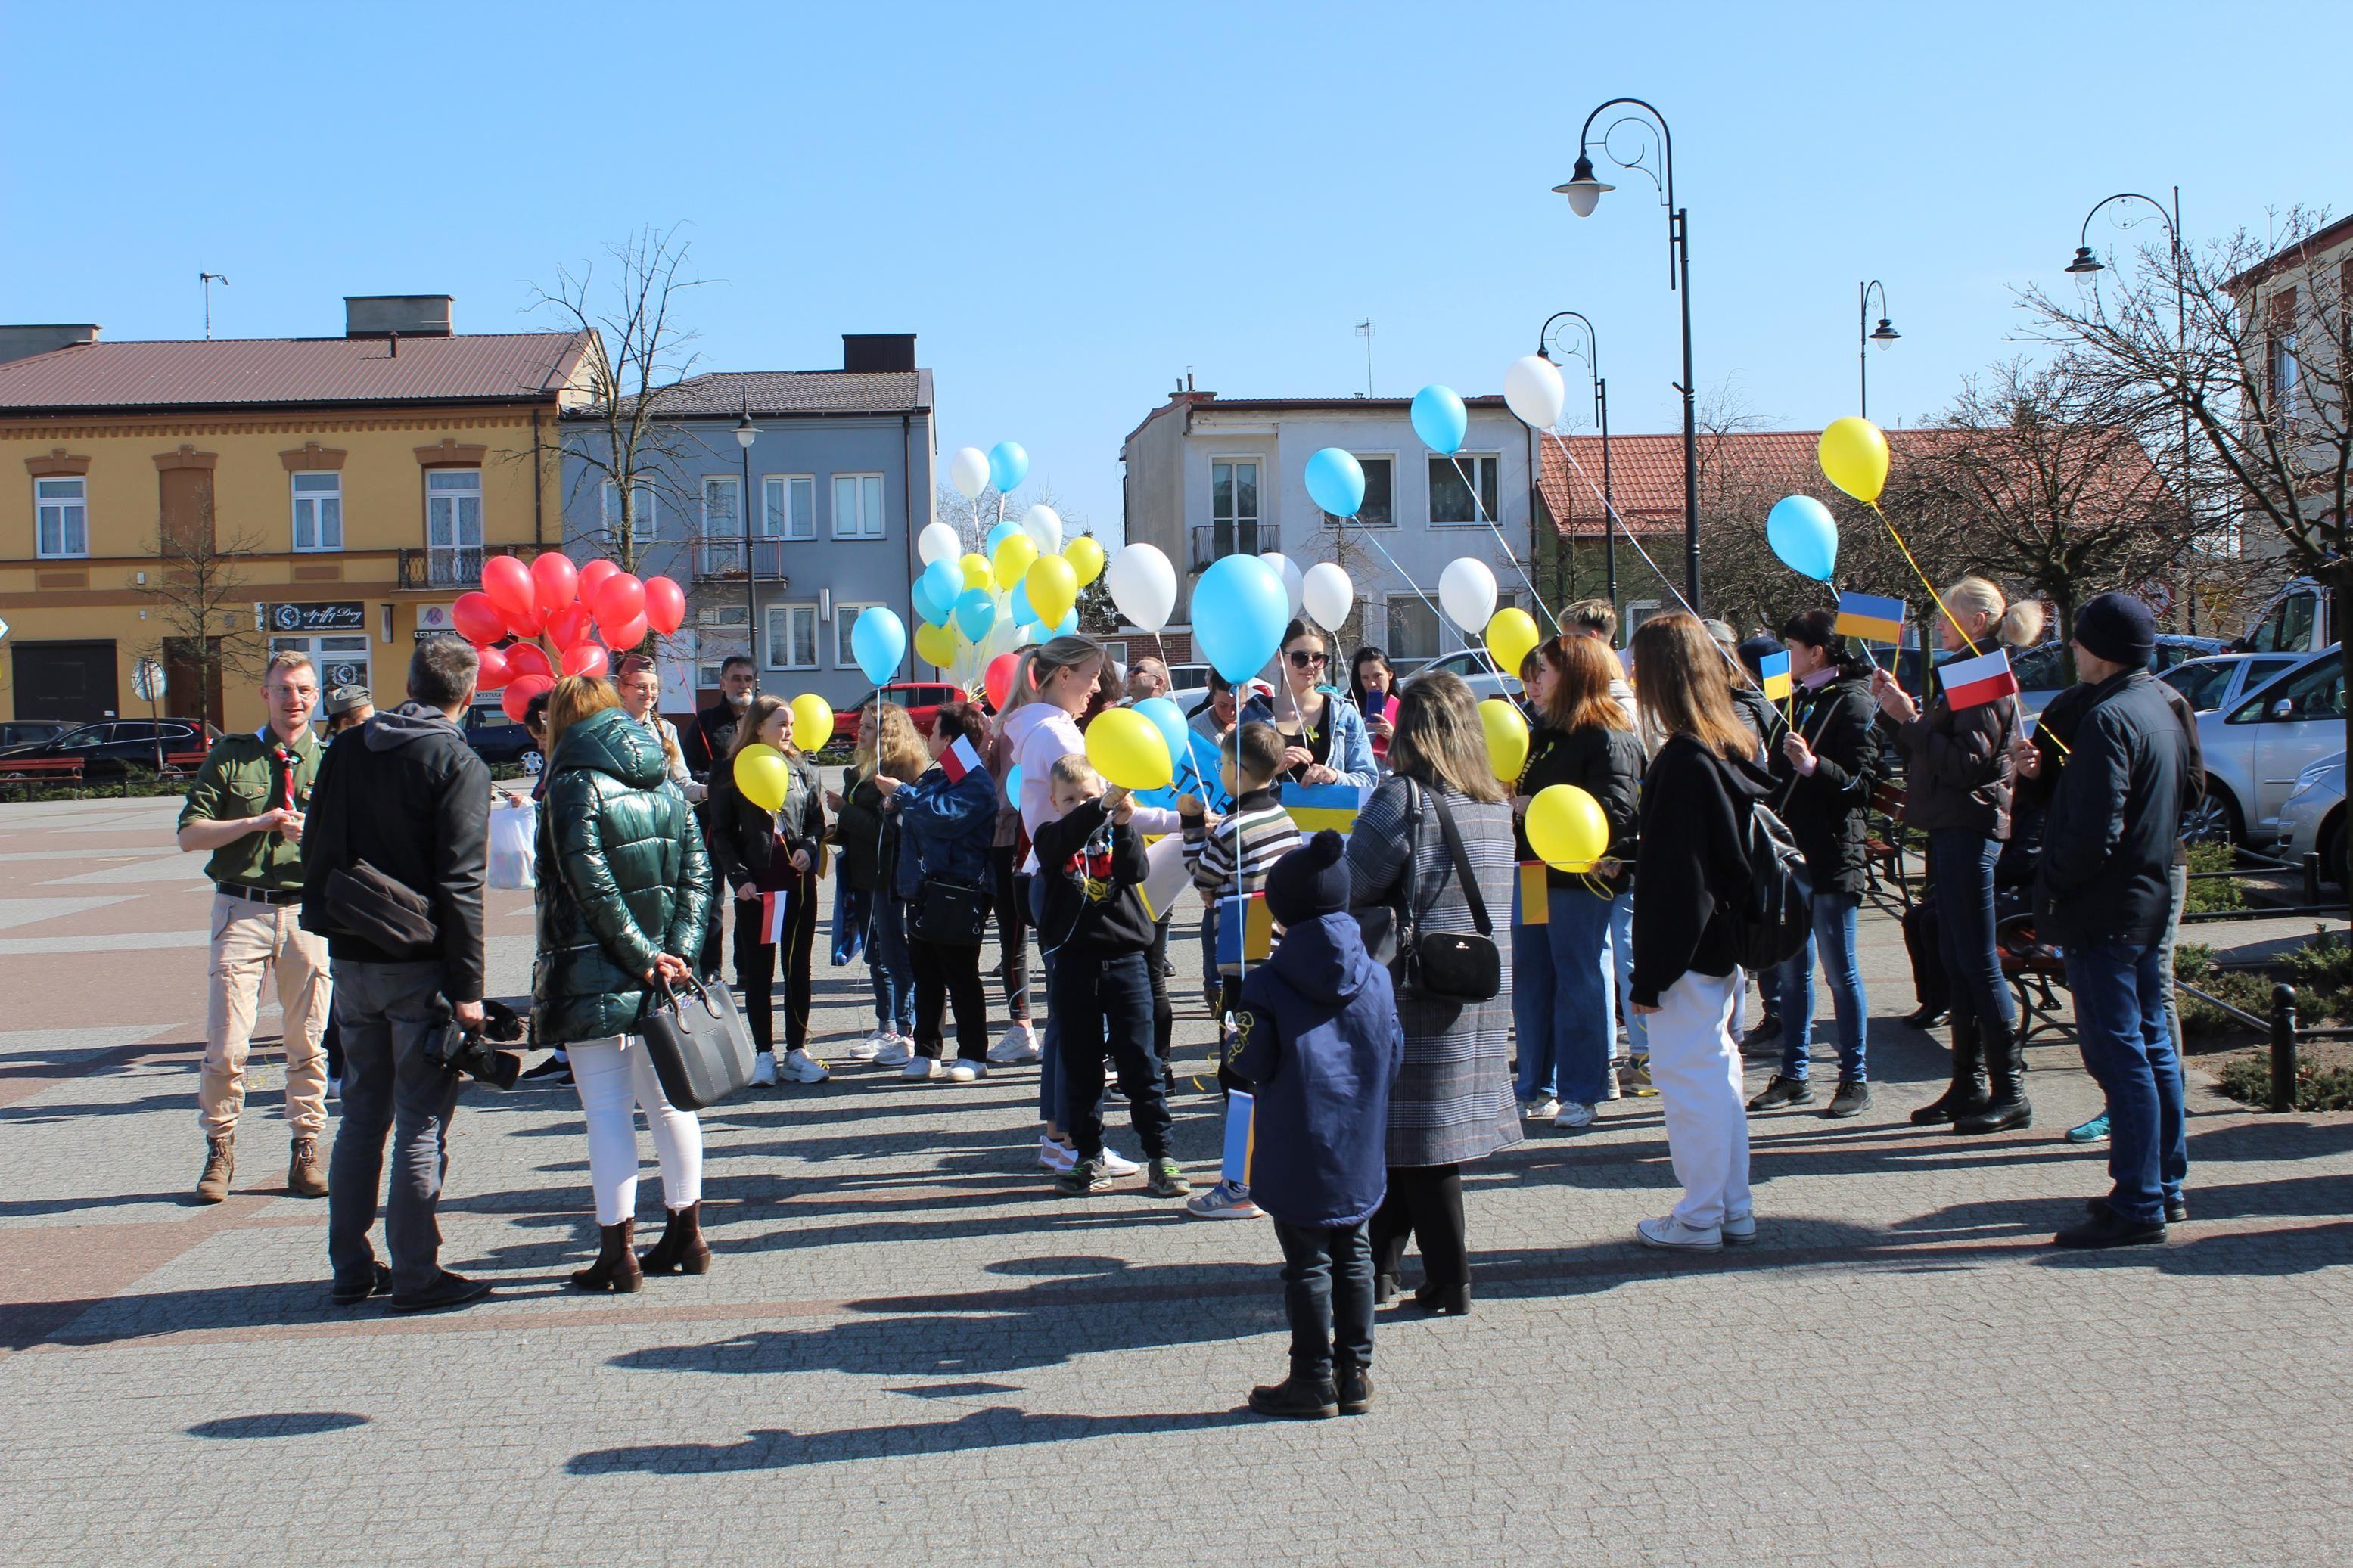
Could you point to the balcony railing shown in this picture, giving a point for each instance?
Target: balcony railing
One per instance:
(724, 558)
(1215, 540)
(441, 568)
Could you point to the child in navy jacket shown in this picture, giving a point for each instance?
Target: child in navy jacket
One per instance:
(1320, 1045)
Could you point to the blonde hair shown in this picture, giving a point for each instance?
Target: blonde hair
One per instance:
(1438, 741)
(1040, 663)
(1072, 768)
(756, 717)
(2019, 624)
(575, 698)
(898, 749)
(1683, 689)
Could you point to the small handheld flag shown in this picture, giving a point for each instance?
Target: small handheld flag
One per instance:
(1234, 1166)
(1870, 617)
(1245, 931)
(774, 906)
(1535, 894)
(960, 759)
(1972, 682)
(1316, 806)
(1773, 674)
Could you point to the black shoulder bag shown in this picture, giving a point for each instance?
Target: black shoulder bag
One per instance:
(1444, 965)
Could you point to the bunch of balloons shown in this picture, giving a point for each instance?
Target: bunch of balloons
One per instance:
(977, 606)
(551, 605)
(761, 771)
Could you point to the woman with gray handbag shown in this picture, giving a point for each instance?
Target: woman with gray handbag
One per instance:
(624, 889)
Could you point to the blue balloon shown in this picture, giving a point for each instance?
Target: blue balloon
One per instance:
(1013, 786)
(878, 640)
(1009, 465)
(1066, 625)
(1169, 720)
(1335, 482)
(1018, 605)
(975, 611)
(1239, 608)
(1206, 772)
(1439, 419)
(999, 535)
(935, 591)
(1804, 535)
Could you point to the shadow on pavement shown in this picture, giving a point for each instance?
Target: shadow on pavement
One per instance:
(776, 1448)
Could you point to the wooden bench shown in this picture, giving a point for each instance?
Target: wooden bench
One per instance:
(182, 766)
(1888, 885)
(30, 771)
(2036, 974)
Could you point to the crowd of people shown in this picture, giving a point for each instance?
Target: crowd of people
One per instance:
(1430, 989)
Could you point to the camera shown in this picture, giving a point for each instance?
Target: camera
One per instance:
(462, 1051)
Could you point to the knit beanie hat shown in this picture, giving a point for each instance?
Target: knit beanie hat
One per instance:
(1311, 881)
(2119, 628)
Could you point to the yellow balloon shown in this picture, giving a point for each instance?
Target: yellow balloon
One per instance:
(812, 723)
(1053, 588)
(1086, 559)
(1013, 559)
(975, 570)
(1507, 738)
(1510, 638)
(1854, 457)
(762, 774)
(1566, 827)
(935, 645)
(1128, 749)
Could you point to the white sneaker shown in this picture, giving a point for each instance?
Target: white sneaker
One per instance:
(1572, 1115)
(1739, 1230)
(1055, 1155)
(867, 1049)
(1226, 1200)
(1609, 1081)
(799, 1067)
(1117, 1163)
(893, 1052)
(763, 1071)
(962, 1071)
(1536, 1109)
(1018, 1045)
(1672, 1235)
(919, 1067)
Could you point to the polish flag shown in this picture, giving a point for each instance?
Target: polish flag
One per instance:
(1971, 682)
(960, 759)
(773, 908)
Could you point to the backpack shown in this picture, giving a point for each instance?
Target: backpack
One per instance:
(1770, 924)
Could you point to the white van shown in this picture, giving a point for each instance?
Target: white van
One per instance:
(2294, 620)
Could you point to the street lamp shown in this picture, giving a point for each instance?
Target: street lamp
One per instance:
(745, 434)
(1883, 334)
(1584, 192)
(1590, 351)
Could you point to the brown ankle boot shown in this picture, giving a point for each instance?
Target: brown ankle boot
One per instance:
(306, 1176)
(220, 1168)
(615, 1267)
(680, 1249)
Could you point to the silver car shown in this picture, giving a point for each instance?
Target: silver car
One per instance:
(2219, 681)
(2313, 820)
(1478, 672)
(2257, 750)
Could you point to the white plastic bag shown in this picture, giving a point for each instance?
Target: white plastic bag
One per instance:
(514, 845)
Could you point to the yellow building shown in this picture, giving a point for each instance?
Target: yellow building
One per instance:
(202, 503)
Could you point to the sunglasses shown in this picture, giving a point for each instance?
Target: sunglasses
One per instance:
(1302, 659)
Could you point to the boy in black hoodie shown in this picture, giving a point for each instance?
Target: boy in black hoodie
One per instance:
(1093, 919)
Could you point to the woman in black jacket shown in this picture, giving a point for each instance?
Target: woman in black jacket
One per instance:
(1957, 773)
(1564, 998)
(755, 852)
(1824, 764)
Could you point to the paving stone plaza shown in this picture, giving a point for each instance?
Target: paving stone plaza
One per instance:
(909, 1349)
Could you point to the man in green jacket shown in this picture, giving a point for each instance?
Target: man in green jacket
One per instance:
(247, 807)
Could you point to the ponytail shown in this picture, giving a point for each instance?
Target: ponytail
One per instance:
(2016, 625)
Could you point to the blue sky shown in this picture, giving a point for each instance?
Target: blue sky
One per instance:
(1073, 205)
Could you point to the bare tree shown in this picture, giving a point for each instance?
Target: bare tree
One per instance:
(200, 608)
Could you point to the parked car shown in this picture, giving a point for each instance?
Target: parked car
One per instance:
(2257, 750)
(2219, 681)
(31, 732)
(109, 749)
(2042, 671)
(922, 701)
(2313, 819)
(1478, 672)
(2295, 619)
(499, 739)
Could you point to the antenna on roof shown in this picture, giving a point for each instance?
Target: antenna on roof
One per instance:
(205, 281)
(1365, 330)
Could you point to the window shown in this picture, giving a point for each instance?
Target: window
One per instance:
(721, 497)
(64, 515)
(788, 505)
(845, 616)
(2316, 691)
(453, 524)
(2202, 685)
(1413, 630)
(792, 636)
(318, 511)
(858, 506)
(2288, 627)
(339, 660)
(645, 512)
(2283, 370)
(1233, 505)
(1380, 486)
(1449, 499)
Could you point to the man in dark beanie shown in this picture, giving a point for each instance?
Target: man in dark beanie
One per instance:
(1319, 1046)
(2104, 893)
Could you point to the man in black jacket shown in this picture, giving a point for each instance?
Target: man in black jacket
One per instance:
(404, 797)
(2104, 887)
(705, 744)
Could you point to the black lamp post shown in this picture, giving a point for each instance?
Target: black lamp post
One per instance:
(1590, 351)
(745, 434)
(1584, 193)
(1883, 334)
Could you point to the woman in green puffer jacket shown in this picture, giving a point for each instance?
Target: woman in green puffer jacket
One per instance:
(624, 890)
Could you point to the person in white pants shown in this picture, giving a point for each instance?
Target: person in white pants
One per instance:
(1695, 1067)
(615, 1078)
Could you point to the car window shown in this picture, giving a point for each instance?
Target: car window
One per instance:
(2318, 692)
(2040, 668)
(2262, 670)
(2200, 685)
(88, 735)
(1465, 665)
(2288, 627)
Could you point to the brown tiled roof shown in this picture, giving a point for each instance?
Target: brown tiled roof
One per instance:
(723, 394)
(278, 372)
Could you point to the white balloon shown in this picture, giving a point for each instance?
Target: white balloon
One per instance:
(938, 541)
(1466, 591)
(1532, 389)
(1293, 583)
(1043, 524)
(1144, 585)
(968, 472)
(1328, 594)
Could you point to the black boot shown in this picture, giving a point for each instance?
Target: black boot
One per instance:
(1967, 1096)
(680, 1249)
(1444, 1301)
(2006, 1065)
(615, 1267)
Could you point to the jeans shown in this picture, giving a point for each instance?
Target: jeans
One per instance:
(1960, 878)
(1621, 960)
(891, 967)
(1327, 1294)
(1834, 937)
(2119, 993)
(1696, 1066)
(387, 1013)
(2178, 881)
(1104, 1001)
(615, 1077)
(949, 975)
(1562, 1006)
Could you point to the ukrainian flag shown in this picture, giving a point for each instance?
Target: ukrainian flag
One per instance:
(1316, 806)
(1773, 675)
(1870, 617)
(1245, 929)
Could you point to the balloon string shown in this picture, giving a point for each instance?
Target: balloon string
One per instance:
(1480, 509)
(1367, 529)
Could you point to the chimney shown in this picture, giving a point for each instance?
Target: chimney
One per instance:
(23, 342)
(877, 350)
(409, 315)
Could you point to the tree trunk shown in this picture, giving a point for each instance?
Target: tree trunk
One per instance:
(2345, 678)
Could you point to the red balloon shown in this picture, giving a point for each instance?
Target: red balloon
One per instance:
(665, 605)
(998, 679)
(528, 658)
(553, 581)
(508, 583)
(520, 690)
(592, 577)
(478, 620)
(571, 625)
(619, 597)
(494, 670)
(625, 637)
(586, 658)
